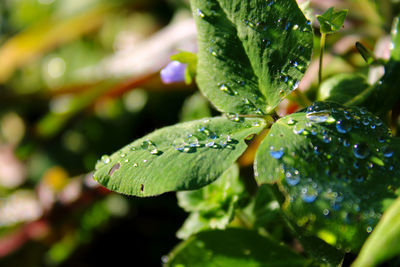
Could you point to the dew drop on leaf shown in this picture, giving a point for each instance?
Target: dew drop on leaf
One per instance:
(361, 150)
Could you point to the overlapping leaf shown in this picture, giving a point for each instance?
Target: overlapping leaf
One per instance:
(338, 168)
(185, 156)
(213, 206)
(383, 244)
(232, 247)
(251, 53)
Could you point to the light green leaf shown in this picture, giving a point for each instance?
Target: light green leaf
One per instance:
(212, 206)
(185, 156)
(383, 244)
(337, 168)
(331, 21)
(190, 59)
(195, 107)
(342, 87)
(252, 54)
(232, 247)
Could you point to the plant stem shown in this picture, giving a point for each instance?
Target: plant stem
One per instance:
(321, 55)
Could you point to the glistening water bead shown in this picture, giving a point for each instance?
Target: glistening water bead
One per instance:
(361, 150)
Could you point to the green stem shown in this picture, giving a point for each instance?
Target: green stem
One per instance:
(321, 55)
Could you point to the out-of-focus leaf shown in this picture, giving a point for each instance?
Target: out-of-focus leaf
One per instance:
(252, 54)
(331, 21)
(383, 244)
(232, 247)
(375, 97)
(342, 87)
(354, 172)
(185, 156)
(195, 107)
(40, 38)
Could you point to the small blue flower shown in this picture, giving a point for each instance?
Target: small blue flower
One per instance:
(174, 72)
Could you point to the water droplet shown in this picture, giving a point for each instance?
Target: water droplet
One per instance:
(292, 177)
(210, 134)
(291, 122)
(309, 194)
(369, 229)
(105, 159)
(388, 152)
(276, 154)
(361, 150)
(145, 160)
(192, 141)
(317, 117)
(233, 117)
(343, 126)
(122, 155)
(199, 13)
(135, 164)
(295, 27)
(179, 144)
(325, 212)
(298, 130)
(151, 147)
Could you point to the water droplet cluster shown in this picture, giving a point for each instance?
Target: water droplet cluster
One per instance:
(337, 165)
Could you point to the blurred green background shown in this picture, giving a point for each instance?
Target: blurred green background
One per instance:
(79, 79)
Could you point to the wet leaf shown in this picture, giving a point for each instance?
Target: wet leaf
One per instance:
(252, 54)
(185, 156)
(336, 166)
(232, 247)
(383, 244)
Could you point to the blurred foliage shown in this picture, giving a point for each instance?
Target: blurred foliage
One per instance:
(80, 78)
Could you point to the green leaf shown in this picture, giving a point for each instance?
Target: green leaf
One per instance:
(212, 206)
(185, 156)
(383, 244)
(337, 168)
(331, 21)
(195, 107)
(375, 97)
(232, 247)
(342, 87)
(252, 54)
(190, 59)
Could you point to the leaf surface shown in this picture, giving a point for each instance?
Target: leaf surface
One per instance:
(331, 21)
(337, 167)
(232, 247)
(213, 206)
(383, 244)
(252, 54)
(185, 156)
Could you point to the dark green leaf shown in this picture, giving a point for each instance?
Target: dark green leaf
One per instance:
(383, 244)
(212, 206)
(190, 59)
(337, 168)
(331, 21)
(232, 247)
(342, 87)
(185, 156)
(252, 54)
(375, 97)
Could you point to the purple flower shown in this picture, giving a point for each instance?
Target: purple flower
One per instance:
(174, 72)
